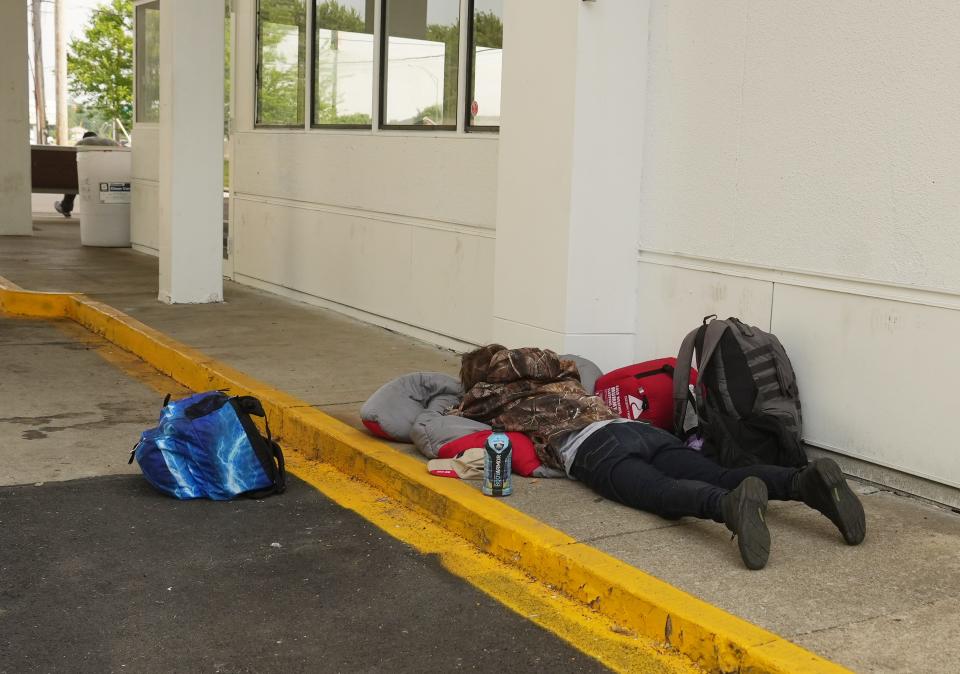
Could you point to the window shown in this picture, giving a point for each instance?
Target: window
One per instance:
(419, 67)
(486, 64)
(148, 62)
(421, 63)
(227, 56)
(281, 62)
(343, 63)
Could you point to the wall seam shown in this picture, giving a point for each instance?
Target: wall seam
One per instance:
(933, 297)
(478, 231)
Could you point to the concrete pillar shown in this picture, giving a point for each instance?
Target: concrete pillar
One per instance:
(191, 151)
(15, 217)
(571, 142)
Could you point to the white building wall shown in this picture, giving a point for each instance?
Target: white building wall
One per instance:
(571, 161)
(14, 125)
(801, 170)
(394, 227)
(144, 179)
(144, 206)
(191, 152)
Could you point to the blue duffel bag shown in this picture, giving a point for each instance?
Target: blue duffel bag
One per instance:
(207, 446)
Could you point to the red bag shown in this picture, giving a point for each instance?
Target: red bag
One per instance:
(524, 460)
(643, 391)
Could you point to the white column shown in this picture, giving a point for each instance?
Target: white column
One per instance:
(191, 151)
(571, 141)
(15, 217)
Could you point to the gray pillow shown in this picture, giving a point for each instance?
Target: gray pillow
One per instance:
(589, 372)
(432, 430)
(392, 409)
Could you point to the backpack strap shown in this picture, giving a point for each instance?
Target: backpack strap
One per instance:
(704, 340)
(681, 381)
(711, 340)
(269, 452)
(250, 405)
(279, 477)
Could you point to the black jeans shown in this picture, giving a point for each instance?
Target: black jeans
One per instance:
(649, 469)
(67, 203)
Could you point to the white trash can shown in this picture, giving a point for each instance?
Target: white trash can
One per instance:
(103, 173)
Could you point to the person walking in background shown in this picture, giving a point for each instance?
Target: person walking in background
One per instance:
(65, 207)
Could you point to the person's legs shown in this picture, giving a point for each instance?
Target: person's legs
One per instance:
(65, 207)
(820, 485)
(613, 464)
(636, 483)
(686, 463)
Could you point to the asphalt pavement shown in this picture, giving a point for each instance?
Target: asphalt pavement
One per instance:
(106, 575)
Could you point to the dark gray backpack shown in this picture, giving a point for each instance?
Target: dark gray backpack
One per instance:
(745, 404)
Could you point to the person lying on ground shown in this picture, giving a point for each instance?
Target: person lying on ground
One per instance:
(533, 391)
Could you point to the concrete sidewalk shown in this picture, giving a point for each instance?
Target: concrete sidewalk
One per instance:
(888, 605)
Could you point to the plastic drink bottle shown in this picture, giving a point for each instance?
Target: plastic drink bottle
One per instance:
(497, 457)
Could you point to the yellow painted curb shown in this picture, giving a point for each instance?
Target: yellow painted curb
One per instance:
(711, 637)
(597, 635)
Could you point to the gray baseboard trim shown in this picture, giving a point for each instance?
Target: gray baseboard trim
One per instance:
(889, 478)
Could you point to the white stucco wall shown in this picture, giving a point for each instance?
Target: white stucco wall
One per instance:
(801, 170)
(815, 136)
(399, 227)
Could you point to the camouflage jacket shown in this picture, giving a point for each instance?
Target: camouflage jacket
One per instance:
(531, 391)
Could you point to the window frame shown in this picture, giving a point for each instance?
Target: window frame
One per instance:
(382, 85)
(257, 124)
(155, 5)
(470, 74)
(313, 76)
(380, 66)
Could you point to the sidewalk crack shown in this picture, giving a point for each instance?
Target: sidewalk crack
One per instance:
(879, 616)
(601, 537)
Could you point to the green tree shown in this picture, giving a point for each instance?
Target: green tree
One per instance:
(90, 120)
(429, 116)
(331, 15)
(281, 92)
(100, 62)
(488, 30)
(450, 36)
(227, 83)
(487, 35)
(336, 18)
